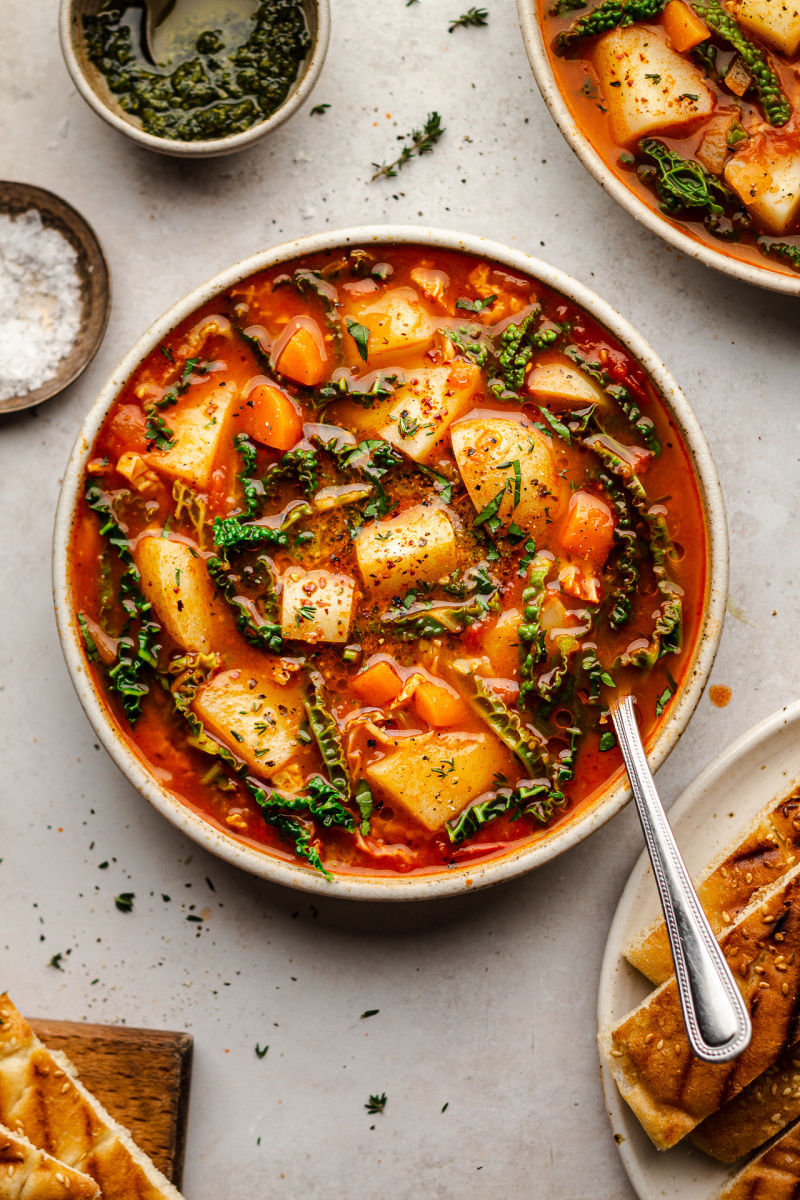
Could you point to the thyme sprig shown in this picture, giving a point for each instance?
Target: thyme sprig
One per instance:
(422, 142)
(473, 16)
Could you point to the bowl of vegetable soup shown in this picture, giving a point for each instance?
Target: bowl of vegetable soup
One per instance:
(227, 72)
(687, 112)
(358, 543)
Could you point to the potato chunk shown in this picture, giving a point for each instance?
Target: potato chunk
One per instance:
(316, 606)
(487, 449)
(776, 21)
(674, 95)
(254, 716)
(424, 408)
(419, 546)
(501, 644)
(200, 424)
(768, 181)
(396, 322)
(178, 586)
(566, 385)
(435, 775)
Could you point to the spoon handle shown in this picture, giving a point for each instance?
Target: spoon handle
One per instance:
(716, 1017)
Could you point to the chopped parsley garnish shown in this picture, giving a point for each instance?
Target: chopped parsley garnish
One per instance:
(475, 306)
(124, 901)
(319, 110)
(407, 426)
(158, 433)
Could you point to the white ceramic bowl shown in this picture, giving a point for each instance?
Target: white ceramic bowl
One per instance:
(92, 85)
(765, 277)
(452, 881)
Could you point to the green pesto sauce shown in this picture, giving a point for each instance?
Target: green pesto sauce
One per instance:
(217, 92)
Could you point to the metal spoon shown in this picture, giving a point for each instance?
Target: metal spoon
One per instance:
(716, 1017)
(155, 12)
(171, 27)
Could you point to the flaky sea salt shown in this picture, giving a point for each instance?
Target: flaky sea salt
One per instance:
(40, 303)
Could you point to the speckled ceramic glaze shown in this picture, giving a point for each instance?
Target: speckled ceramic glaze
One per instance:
(95, 91)
(440, 883)
(765, 277)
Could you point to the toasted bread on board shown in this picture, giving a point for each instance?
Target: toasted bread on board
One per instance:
(757, 857)
(648, 1053)
(42, 1098)
(772, 1175)
(30, 1174)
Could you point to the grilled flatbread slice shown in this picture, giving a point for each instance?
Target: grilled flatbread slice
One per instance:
(29, 1174)
(648, 1054)
(42, 1098)
(761, 1110)
(772, 1175)
(757, 857)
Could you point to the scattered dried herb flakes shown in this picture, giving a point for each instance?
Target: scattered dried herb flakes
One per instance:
(124, 901)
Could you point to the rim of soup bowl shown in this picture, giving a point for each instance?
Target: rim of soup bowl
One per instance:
(465, 877)
(770, 277)
(83, 72)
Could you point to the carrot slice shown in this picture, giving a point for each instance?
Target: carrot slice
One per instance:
(684, 28)
(378, 684)
(301, 359)
(271, 418)
(588, 530)
(438, 705)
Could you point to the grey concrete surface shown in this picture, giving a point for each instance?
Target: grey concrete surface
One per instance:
(486, 1002)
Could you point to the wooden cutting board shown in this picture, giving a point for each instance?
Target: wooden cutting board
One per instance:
(141, 1076)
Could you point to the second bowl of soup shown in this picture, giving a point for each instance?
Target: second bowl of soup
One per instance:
(358, 545)
(687, 114)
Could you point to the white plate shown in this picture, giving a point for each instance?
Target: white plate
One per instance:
(761, 765)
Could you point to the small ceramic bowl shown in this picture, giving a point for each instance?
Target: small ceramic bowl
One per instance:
(95, 284)
(441, 883)
(771, 277)
(93, 87)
